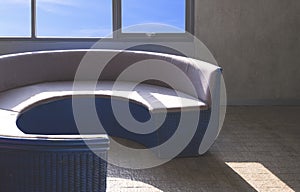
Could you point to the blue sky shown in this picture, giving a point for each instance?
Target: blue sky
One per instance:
(89, 18)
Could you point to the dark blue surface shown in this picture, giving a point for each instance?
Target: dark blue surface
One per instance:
(56, 118)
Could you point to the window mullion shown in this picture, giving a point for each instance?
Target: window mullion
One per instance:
(117, 17)
(190, 11)
(33, 19)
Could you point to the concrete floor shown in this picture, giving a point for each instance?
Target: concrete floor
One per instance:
(257, 150)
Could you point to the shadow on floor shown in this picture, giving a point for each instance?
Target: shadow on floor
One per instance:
(257, 150)
(267, 136)
(205, 173)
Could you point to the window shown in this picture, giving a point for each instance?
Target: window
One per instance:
(73, 18)
(15, 18)
(94, 18)
(160, 14)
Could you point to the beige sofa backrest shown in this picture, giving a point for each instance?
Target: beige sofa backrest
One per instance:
(17, 70)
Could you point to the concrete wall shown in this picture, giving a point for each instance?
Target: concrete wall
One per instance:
(257, 42)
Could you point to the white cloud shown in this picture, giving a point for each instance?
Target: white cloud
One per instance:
(97, 32)
(52, 2)
(57, 6)
(58, 2)
(18, 2)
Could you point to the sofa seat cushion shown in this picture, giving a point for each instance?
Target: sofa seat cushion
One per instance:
(154, 98)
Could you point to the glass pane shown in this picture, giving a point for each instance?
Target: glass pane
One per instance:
(74, 18)
(15, 18)
(153, 16)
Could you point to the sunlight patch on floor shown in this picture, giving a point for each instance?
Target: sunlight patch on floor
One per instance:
(258, 176)
(119, 184)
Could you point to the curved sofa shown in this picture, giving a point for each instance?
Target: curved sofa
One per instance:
(36, 92)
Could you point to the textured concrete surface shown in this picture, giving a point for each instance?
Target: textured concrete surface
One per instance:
(257, 150)
(257, 43)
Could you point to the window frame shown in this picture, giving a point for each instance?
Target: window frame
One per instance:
(116, 26)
